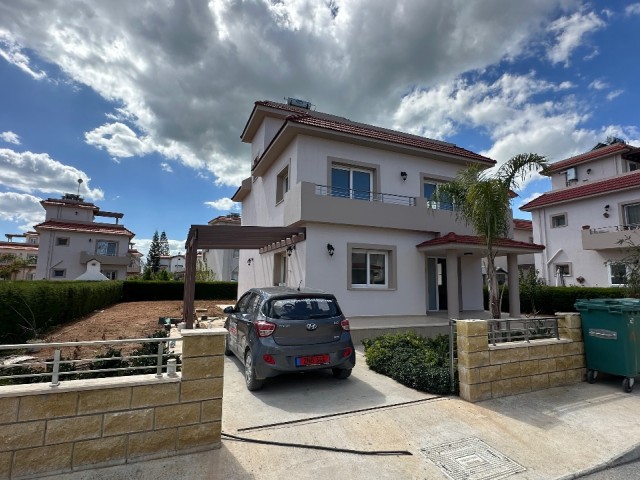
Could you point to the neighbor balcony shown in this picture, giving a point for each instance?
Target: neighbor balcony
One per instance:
(105, 259)
(612, 237)
(309, 202)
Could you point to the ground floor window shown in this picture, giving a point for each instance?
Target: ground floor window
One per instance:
(371, 266)
(59, 273)
(618, 273)
(110, 274)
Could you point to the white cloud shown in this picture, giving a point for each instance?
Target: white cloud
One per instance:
(185, 74)
(633, 9)
(10, 137)
(11, 52)
(21, 207)
(614, 94)
(38, 172)
(570, 32)
(223, 204)
(166, 167)
(598, 85)
(523, 201)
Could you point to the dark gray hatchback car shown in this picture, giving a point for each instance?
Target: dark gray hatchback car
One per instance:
(276, 330)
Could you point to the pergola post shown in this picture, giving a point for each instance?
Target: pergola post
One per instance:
(191, 258)
(513, 282)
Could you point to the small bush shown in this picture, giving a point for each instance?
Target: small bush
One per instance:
(415, 361)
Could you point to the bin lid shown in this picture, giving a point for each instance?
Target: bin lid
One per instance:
(617, 304)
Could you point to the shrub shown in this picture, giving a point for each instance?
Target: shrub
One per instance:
(415, 361)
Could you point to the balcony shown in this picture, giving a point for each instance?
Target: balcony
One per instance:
(610, 238)
(308, 202)
(105, 259)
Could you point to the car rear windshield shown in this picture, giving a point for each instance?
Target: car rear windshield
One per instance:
(302, 308)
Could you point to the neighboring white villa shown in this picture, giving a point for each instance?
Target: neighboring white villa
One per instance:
(71, 242)
(522, 232)
(172, 263)
(373, 236)
(224, 263)
(26, 249)
(594, 203)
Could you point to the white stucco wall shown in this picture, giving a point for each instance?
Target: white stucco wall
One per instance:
(591, 171)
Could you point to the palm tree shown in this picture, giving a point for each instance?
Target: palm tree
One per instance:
(481, 200)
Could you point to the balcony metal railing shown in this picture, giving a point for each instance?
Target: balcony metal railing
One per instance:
(325, 190)
(522, 329)
(161, 357)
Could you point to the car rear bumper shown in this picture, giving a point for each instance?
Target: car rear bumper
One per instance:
(285, 357)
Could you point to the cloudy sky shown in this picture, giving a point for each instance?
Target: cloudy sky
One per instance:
(145, 101)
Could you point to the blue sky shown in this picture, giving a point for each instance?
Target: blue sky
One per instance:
(145, 102)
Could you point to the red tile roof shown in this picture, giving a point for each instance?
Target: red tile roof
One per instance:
(84, 227)
(344, 125)
(476, 240)
(615, 184)
(592, 155)
(226, 219)
(18, 246)
(522, 224)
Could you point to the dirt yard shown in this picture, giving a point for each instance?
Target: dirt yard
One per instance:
(128, 320)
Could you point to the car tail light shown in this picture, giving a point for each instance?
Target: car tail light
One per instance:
(347, 352)
(269, 359)
(265, 329)
(345, 325)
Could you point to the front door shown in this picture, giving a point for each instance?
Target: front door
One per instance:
(436, 284)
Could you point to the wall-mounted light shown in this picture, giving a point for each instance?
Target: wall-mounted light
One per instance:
(404, 176)
(249, 261)
(588, 171)
(330, 249)
(290, 250)
(606, 208)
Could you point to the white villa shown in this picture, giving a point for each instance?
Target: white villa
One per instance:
(372, 236)
(26, 249)
(585, 220)
(72, 243)
(224, 263)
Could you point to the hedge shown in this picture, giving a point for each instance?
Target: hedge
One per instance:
(549, 300)
(138, 291)
(31, 308)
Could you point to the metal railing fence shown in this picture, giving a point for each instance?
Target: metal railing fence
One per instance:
(522, 329)
(153, 355)
(325, 190)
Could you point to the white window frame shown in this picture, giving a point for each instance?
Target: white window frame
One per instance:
(62, 241)
(110, 274)
(282, 184)
(391, 255)
(563, 264)
(611, 282)
(354, 194)
(626, 215)
(98, 242)
(558, 215)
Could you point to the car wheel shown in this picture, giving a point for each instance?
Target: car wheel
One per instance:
(341, 373)
(250, 373)
(227, 350)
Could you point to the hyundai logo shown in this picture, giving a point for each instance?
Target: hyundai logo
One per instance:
(312, 326)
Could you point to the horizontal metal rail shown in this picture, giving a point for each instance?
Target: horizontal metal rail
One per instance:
(522, 329)
(163, 359)
(391, 198)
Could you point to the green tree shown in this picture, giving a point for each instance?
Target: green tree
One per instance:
(203, 272)
(153, 256)
(482, 200)
(11, 264)
(164, 244)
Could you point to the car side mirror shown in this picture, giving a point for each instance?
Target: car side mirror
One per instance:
(229, 310)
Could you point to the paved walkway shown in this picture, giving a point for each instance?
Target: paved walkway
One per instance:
(555, 433)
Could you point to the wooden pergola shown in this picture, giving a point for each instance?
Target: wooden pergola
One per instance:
(265, 239)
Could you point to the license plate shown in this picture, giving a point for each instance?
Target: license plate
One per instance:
(312, 360)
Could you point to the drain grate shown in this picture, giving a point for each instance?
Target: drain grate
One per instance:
(471, 459)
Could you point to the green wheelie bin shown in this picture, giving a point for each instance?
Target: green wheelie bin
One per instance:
(611, 332)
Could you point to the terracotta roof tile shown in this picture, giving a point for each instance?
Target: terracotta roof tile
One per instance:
(84, 227)
(452, 237)
(614, 184)
(343, 125)
(19, 246)
(591, 155)
(522, 224)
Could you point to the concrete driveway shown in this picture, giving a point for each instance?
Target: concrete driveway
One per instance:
(555, 433)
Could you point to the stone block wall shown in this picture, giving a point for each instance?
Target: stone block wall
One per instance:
(83, 424)
(486, 371)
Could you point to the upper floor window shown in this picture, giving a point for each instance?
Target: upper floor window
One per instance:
(632, 166)
(62, 241)
(104, 247)
(429, 187)
(282, 185)
(33, 240)
(559, 220)
(351, 182)
(632, 214)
